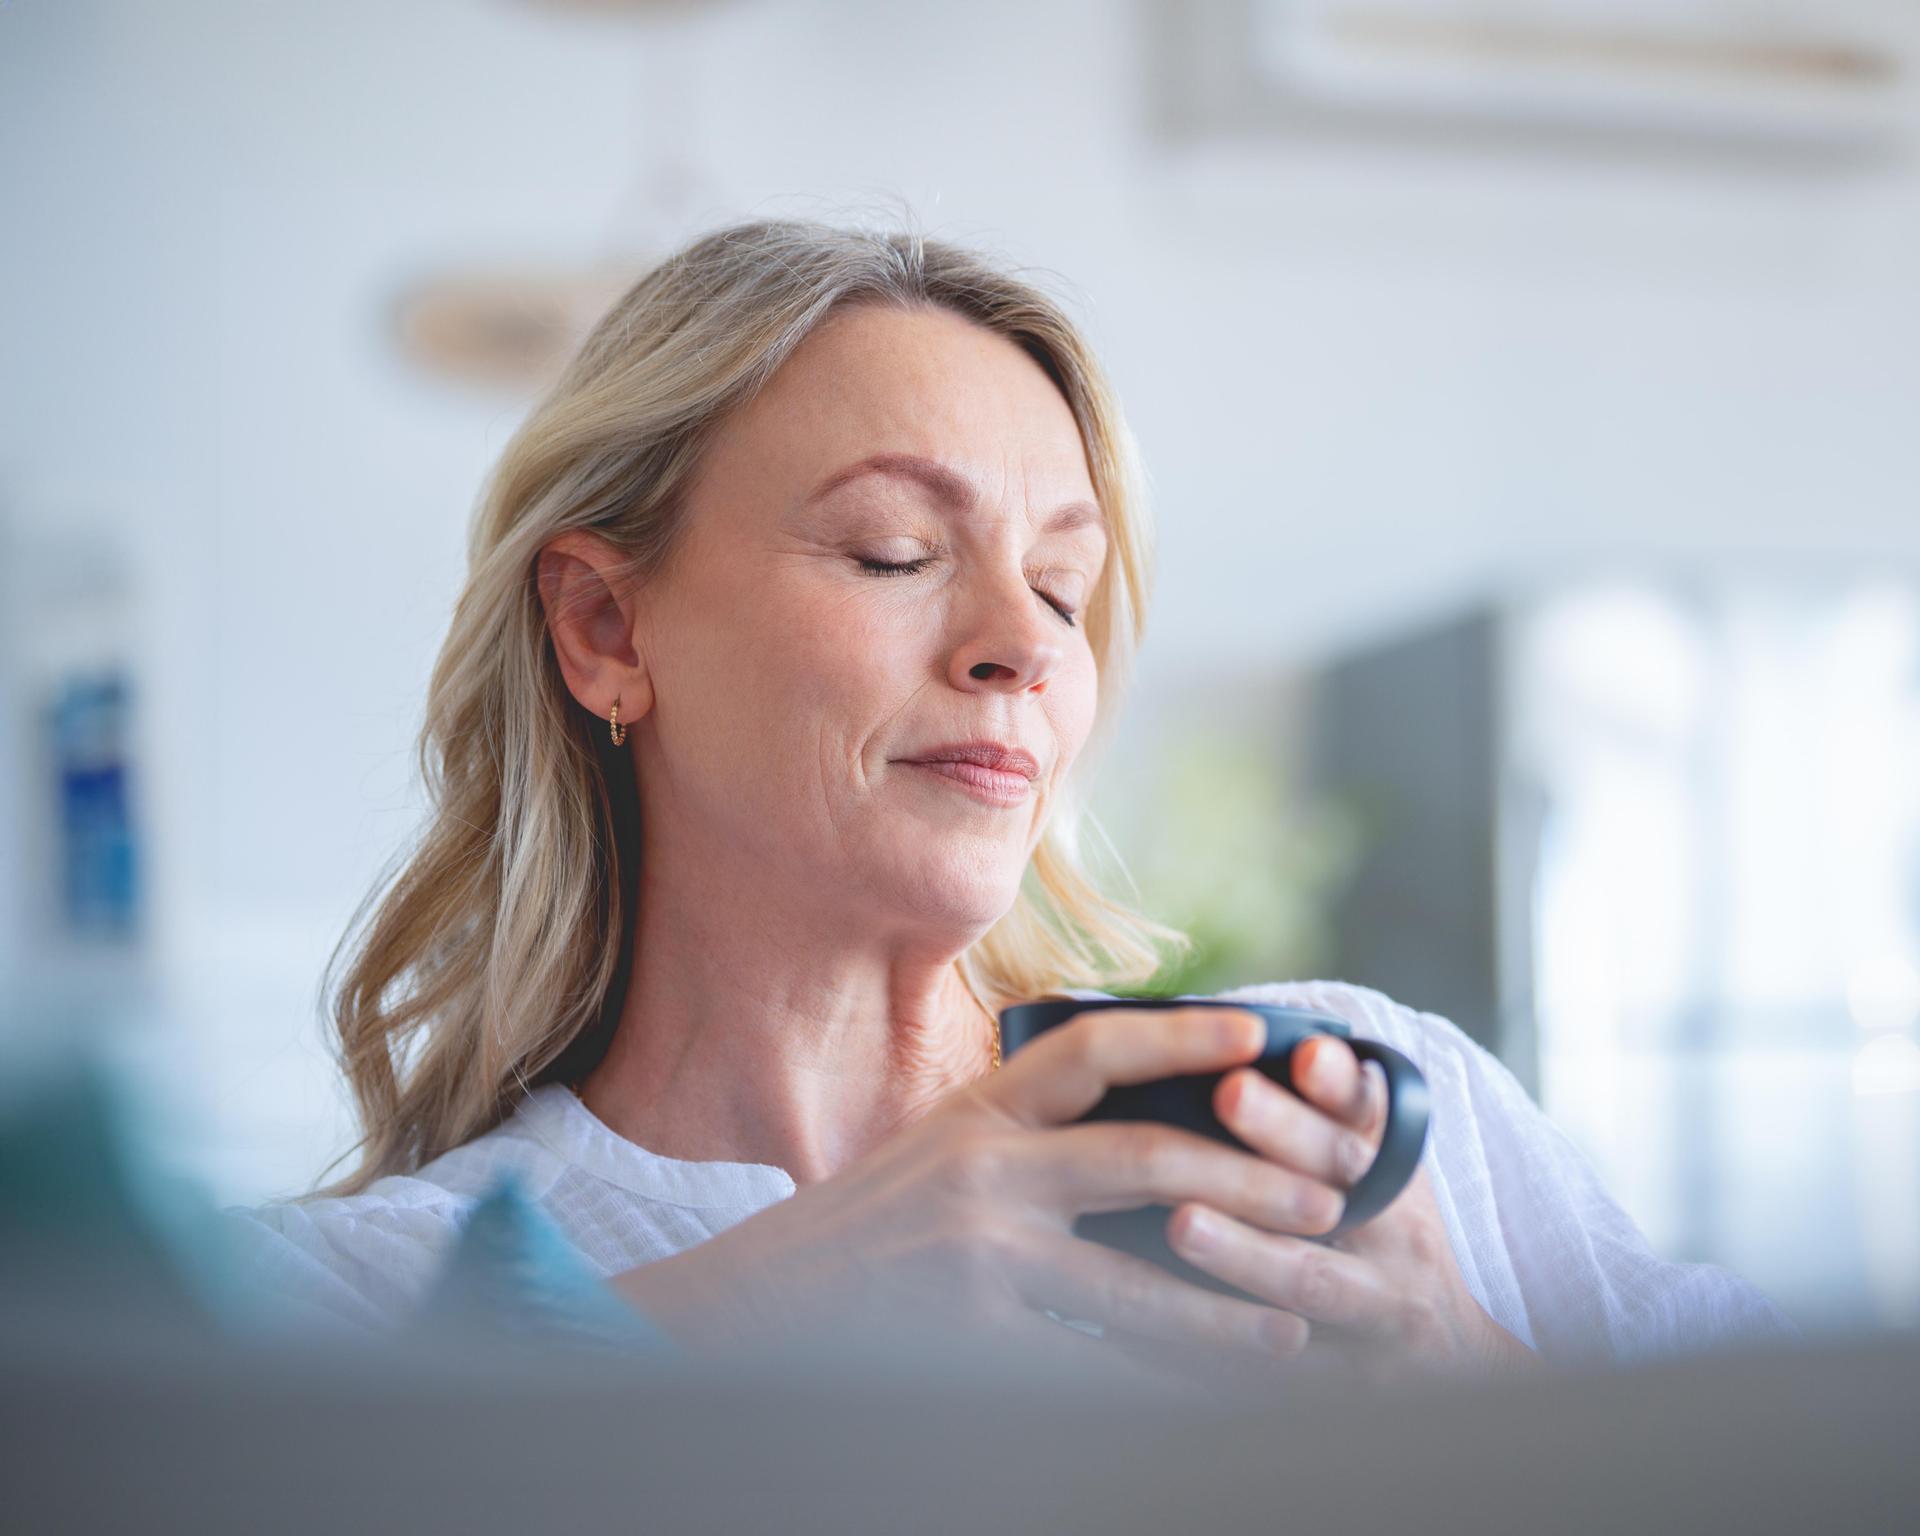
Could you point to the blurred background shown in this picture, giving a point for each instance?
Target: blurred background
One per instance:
(1530, 391)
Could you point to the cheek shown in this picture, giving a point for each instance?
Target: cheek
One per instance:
(841, 665)
(801, 685)
(743, 688)
(1074, 703)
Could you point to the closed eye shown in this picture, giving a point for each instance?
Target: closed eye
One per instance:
(909, 567)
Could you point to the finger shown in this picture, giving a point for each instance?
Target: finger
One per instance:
(1079, 1278)
(1329, 1075)
(1317, 1282)
(1287, 1129)
(1118, 1165)
(1373, 1118)
(1068, 1070)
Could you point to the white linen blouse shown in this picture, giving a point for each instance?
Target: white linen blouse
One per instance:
(1544, 1249)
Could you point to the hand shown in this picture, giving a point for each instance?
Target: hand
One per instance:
(1388, 1297)
(965, 1217)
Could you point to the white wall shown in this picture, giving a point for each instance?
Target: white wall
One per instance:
(1368, 383)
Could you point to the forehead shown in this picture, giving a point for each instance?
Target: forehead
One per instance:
(874, 380)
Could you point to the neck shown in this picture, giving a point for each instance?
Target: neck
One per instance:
(741, 1040)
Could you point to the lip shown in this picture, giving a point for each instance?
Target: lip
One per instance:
(996, 756)
(990, 771)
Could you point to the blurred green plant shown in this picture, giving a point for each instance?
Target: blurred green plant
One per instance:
(1231, 849)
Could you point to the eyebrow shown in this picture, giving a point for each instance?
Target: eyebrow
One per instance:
(948, 486)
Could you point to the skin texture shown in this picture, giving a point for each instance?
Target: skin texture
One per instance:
(805, 893)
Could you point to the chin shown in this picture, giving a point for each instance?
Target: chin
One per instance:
(964, 892)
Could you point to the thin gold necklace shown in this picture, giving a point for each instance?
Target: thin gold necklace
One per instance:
(992, 1018)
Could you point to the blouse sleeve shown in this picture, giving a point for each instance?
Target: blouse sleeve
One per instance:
(1592, 1281)
(411, 1259)
(1545, 1249)
(353, 1264)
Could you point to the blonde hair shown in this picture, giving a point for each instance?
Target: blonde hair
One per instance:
(499, 956)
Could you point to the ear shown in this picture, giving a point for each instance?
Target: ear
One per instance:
(593, 615)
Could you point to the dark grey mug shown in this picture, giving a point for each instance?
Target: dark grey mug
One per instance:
(1186, 1101)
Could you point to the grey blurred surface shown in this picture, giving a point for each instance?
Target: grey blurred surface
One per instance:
(1419, 919)
(166, 1433)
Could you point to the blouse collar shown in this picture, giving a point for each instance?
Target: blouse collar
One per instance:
(583, 1139)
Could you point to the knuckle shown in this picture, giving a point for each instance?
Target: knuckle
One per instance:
(1078, 1039)
(954, 1173)
(1140, 1149)
(1426, 1245)
(1299, 1330)
(1297, 1203)
(1256, 1190)
(980, 1251)
(1353, 1155)
(1085, 1049)
(1419, 1321)
(1314, 1284)
(1321, 1210)
(979, 1167)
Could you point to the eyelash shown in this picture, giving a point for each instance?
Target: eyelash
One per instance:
(907, 568)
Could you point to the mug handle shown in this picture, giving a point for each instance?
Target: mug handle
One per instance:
(1401, 1140)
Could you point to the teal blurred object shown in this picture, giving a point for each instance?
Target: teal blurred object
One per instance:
(91, 1235)
(512, 1269)
(83, 1225)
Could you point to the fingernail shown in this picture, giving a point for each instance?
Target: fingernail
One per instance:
(1305, 1055)
(1355, 1155)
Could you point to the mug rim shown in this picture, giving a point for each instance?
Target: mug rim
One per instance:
(1315, 1020)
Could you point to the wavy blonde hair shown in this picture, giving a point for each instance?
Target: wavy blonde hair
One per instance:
(499, 954)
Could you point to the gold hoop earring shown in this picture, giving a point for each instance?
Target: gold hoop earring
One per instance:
(618, 731)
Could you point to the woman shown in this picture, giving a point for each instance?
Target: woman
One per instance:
(755, 752)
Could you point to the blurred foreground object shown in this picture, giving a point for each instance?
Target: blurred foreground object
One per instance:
(129, 1395)
(209, 1439)
(98, 1251)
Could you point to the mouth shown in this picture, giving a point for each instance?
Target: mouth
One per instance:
(989, 771)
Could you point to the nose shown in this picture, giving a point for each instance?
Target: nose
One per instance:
(1006, 646)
